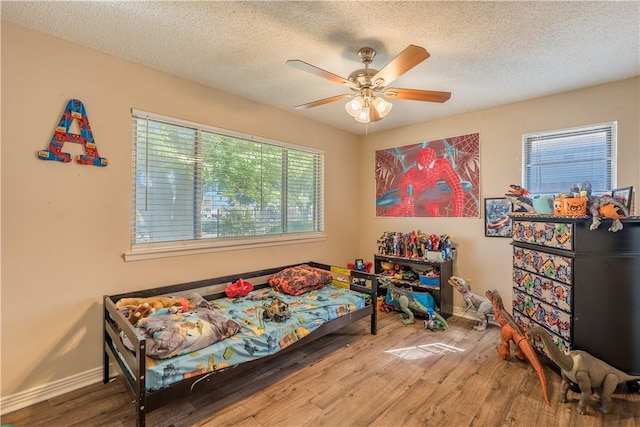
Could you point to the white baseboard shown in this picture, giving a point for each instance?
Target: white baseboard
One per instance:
(47, 391)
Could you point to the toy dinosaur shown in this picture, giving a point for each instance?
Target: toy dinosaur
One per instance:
(409, 304)
(482, 305)
(434, 322)
(511, 331)
(585, 370)
(607, 207)
(519, 197)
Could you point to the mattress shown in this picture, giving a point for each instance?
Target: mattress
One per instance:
(258, 337)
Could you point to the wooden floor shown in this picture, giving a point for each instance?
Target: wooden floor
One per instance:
(404, 376)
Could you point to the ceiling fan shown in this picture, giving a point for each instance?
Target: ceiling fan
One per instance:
(367, 84)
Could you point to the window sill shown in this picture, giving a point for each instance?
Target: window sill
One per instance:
(153, 251)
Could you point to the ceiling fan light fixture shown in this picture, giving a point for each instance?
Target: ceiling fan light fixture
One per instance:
(360, 108)
(383, 107)
(366, 83)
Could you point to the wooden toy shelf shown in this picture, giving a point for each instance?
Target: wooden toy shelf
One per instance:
(440, 288)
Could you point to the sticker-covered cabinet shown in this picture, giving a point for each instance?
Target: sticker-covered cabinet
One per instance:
(582, 285)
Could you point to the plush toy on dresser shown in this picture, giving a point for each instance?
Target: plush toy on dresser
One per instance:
(482, 304)
(607, 207)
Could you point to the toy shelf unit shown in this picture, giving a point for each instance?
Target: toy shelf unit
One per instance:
(581, 285)
(413, 272)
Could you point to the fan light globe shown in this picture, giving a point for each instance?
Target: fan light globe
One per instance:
(363, 115)
(383, 107)
(354, 106)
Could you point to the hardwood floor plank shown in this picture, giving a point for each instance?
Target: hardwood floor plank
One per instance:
(404, 376)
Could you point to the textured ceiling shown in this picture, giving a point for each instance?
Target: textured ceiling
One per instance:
(485, 53)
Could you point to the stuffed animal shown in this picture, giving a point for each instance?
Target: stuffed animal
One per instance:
(239, 288)
(155, 302)
(607, 207)
(140, 312)
(139, 308)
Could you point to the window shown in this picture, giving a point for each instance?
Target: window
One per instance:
(200, 187)
(555, 161)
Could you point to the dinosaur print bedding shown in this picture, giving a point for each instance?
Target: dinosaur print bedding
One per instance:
(259, 335)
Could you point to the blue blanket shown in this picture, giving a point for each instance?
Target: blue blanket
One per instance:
(257, 337)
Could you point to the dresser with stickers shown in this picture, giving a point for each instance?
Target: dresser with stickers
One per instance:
(581, 285)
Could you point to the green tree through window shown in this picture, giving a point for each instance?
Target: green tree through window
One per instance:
(193, 182)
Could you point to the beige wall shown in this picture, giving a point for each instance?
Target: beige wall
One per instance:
(487, 261)
(66, 226)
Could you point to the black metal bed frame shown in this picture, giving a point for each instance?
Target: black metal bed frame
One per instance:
(132, 364)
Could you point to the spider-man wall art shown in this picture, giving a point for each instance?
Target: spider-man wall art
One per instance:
(430, 179)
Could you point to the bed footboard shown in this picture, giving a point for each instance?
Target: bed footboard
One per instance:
(131, 363)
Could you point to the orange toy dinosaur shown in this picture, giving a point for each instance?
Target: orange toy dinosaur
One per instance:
(511, 331)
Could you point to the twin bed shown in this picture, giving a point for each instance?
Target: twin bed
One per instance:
(169, 355)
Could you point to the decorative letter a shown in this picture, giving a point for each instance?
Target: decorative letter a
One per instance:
(74, 111)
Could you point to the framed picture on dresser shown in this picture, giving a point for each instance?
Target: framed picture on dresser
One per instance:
(497, 222)
(625, 195)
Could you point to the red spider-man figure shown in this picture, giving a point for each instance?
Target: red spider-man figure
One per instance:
(425, 174)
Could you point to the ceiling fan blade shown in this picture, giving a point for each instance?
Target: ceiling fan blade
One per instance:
(322, 101)
(301, 65)
(406, 60)
(417, 94)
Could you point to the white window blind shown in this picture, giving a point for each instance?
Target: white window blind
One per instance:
(555, 161)
(195, 183)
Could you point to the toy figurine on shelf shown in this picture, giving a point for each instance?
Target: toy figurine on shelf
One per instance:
(413, 245)
(435, 242)
(388, 268)
(397, 244)
(421, 243)
(382, 244)
(445, 245)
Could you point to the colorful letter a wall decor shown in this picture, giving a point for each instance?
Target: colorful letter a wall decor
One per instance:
(74, 111)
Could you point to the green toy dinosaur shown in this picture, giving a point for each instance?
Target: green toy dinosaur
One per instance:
(408, 303)
(585, 370)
